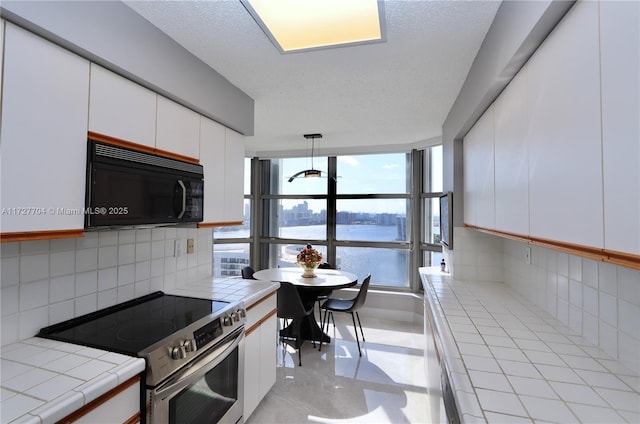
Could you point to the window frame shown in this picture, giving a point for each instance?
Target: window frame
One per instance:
(417, 196)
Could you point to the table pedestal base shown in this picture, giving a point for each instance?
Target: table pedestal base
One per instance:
(309, 330)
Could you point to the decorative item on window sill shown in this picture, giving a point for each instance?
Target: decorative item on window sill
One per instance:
(309, 173)
(309, 259)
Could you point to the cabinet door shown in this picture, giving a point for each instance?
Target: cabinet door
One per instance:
(511, 158)
(212, 158)
(177, 129)
(121, 108)
(252, 362)
(44, 134)
(479, 173)
(268, 354)
(565, 149)
(234, 177)
(620, 59)
(117, 408)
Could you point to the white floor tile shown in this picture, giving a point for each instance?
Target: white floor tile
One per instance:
(386, 385)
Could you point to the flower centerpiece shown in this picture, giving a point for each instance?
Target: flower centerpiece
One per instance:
(309, 259)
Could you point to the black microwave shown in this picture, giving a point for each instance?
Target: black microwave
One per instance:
(127, 187)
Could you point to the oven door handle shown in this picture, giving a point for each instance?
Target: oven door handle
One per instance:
(194, 371)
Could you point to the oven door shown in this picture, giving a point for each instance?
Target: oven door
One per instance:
(210, 390)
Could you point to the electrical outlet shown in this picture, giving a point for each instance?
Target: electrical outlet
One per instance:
(527, 255)
(190, 246)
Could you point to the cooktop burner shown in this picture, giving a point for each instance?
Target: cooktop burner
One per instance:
(132, 326)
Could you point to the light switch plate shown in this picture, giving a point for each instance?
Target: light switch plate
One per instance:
(190, 246)
(178, 248)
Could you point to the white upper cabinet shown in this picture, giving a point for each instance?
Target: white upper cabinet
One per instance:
(121, 108)
(478, 148)
(212, 158)
(565, 150)
(222, 156)
(234, 177)
(620, 58)
(44, 134)
(177, 129)
(511, 158)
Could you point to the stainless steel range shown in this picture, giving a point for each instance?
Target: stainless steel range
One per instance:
(193, 348)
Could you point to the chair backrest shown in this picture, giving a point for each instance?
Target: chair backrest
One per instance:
(361, 297)
(289, 302)
(247, 273)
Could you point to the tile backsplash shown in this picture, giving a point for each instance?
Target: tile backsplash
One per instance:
(597, 300)
(48, 281)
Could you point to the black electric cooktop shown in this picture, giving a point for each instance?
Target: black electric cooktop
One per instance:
(132, 326)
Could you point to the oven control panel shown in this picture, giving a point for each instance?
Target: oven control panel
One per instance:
(207, 333)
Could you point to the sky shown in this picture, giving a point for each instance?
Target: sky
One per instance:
(361, 174)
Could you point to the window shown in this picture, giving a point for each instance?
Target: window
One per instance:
(430, 204)
(364, 214)
(367, 218)
(232, 245)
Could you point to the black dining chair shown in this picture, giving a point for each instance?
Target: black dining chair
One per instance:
(349, 306)
(290, 306)
(323, 294)
(247, 273)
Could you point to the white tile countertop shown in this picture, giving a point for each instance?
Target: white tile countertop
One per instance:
(509, 361)
(228, 289)
(43, 381)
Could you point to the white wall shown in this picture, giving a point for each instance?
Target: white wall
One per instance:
(48, 281)
(597, 300)
(477, 256)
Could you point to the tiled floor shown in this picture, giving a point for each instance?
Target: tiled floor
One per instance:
(386, 385)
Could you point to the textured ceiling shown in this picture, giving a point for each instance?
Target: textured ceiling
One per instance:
(360, 97)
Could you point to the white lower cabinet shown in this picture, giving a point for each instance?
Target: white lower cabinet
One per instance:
(260, 352)
(121, 405)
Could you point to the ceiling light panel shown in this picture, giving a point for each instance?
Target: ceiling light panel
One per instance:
(298, 25)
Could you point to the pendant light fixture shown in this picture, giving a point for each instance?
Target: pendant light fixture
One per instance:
(309, 173)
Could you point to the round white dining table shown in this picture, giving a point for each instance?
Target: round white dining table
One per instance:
(325, 278)
(309, 289)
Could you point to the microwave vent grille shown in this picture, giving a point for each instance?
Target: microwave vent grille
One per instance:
(114, 152)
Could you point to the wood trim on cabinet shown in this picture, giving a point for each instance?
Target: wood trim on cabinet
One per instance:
(628, 260)
(40, 235)
(219, 224)
(139, 147)
(254, 304)
(99, 401)
(623, 259)
(260, 322)
(135, 419)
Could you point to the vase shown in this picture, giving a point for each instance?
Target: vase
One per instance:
(309, 269)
